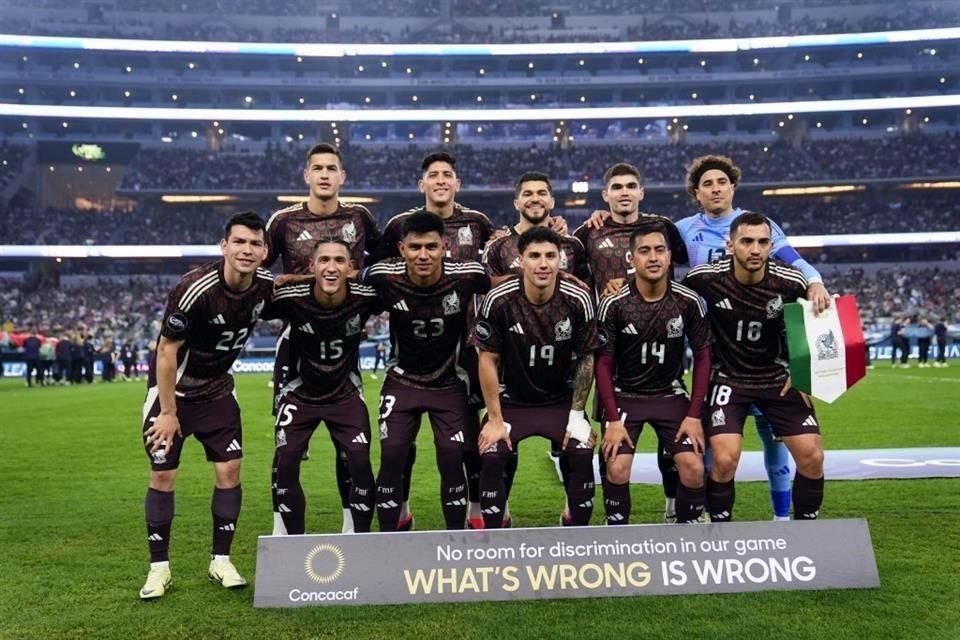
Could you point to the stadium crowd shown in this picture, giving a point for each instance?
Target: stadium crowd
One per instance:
(371, 167)
(666, 21)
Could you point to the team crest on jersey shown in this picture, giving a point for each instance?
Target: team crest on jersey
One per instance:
(774, 308)
(159, 457)
(719, 418)
(349, 233)
(257, 310)
(563, 261)
(383, 431)
(281, 438)
(451, 304)
(353, 325)
(563, 330)
(827, 346)
(675, 327)
(464, 236)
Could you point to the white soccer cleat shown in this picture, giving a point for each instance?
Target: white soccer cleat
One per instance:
(222, 570)
(158, 581)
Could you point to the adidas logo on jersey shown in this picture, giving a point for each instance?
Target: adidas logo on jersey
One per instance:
(517, 328)
(218, 320)
(402, 306)
(516, 263)
(307, 329)
(304, 236)
(361, 439)
(457, 437)
(233, 446)
(228, 527)
(629, 330)
(810, 421)
(698, 237)
(607, 244)
(724, 304)
(155, 537)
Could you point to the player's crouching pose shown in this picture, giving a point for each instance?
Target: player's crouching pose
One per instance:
(745, 294)
(208, 319)
(642, 329)
(536, 333)
(326, 315)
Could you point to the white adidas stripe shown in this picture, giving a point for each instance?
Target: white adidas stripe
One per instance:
(582, 296)
(188, 295)
(609, 301)
(499, 291)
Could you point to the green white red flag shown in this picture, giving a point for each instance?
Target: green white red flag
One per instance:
(827, 352)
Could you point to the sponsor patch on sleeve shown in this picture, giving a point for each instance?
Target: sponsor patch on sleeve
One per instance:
(177, 322)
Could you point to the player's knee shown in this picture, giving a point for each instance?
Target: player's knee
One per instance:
(810, 461)
(690, 469)
(227, 474)
(163, 480)
(618, 469)
(725, 462)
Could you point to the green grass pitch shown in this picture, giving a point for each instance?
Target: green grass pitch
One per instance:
(73, 553)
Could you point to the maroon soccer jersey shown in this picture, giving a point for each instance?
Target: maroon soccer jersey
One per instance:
(747, 321)
(646, 338)
(427, 324)
(539, 345)
(466, 233)
(214, 323)
(325, 342)
(608, 248)
(502, 256)
(293, 232)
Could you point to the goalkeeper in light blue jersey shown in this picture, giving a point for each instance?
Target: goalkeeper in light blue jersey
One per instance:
(711, 182)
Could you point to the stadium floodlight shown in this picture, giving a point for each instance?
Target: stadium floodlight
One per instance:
(197, 251)
(301, 50)
(510, 114)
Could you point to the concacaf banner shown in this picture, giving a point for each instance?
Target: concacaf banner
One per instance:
(827, 352)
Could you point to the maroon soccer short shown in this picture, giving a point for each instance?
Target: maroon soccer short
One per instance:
(548, 421)
(402, 406)
(215, 423)
(728, 406)
(347, 420)
(664, 413)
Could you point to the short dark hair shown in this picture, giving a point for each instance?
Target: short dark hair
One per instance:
(247, 219)
(538, 234)
(701, 165)
(621, 169)
(438, 156)
(324, 147)
(422, 222)
(534, 176)
(648, 228)
(330, 240)
(749, 219)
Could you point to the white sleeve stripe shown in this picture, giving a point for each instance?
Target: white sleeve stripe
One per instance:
(498, 292)
(185, 306)
(197, 287)
(582, 296)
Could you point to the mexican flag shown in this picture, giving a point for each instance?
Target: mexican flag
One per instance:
(827, 352)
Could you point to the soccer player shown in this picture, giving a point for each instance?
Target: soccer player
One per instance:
(607, 244)
(326, 315)
(208, 319)
(711, 182)
(642, 329)
(466, 233)
(427, 297)
(535, 333)
(745, 294)
(292, 233)
(534, 202)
